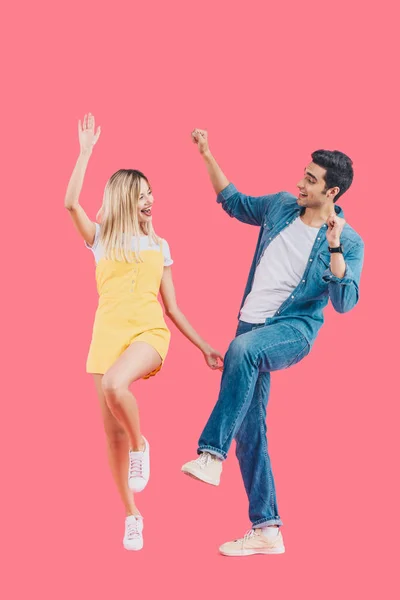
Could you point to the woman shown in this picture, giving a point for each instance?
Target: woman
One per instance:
(130, 338)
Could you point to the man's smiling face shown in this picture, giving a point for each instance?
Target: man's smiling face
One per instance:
(312, 192)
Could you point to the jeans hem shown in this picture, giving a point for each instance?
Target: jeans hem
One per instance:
(265, 522)
(211, 450)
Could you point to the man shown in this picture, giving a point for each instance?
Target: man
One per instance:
(306, 254)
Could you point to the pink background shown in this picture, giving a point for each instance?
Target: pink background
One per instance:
(271, 84)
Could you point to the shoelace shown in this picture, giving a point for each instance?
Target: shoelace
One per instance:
(204, 459)
(247, 536)
(135, 466)
(132, 530)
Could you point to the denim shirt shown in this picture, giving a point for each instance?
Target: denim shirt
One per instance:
(303, 309)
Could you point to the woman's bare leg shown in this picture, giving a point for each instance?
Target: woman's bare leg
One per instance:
(136, 362)
(117, 450)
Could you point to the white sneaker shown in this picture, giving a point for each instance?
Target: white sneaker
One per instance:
(133, 538)
(139, 468)
(206, 468)
(254, 542)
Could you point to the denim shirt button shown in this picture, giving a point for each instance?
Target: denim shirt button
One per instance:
(304, 280)
(310, 259)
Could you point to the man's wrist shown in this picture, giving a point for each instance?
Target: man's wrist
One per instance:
(334, 244)
(207, 155)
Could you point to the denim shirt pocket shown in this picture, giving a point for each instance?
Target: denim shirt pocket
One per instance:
(325, 258)
(322, 263)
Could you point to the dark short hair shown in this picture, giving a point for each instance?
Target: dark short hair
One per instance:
(339, 169)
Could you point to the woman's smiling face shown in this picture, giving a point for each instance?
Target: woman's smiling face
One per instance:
(145, 202)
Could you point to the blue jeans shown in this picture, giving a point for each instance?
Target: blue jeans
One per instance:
(240, 411)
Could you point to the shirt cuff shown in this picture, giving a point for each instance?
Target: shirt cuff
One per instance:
(226, 193)
(329, 277)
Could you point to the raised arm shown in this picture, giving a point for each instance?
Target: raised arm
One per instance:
(218, 179)
(87, 139)
(248, 209)
(344, 272)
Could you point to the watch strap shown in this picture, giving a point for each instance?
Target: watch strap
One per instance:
(336, 249)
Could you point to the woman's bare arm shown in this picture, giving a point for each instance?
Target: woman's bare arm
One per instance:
(213, 358)
(87, 139)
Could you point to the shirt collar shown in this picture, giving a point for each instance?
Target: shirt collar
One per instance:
(338, 210)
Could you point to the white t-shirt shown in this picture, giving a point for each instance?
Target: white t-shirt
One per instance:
(144, 244)
(279, 271)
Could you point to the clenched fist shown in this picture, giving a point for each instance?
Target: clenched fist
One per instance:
(200, 137)
(213, 358)
(335, 228)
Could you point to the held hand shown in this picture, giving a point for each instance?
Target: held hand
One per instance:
(87, 136)
(213, 358)
(335, 228)
(200, 137)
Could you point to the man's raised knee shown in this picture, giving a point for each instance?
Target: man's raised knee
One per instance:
(239, 349)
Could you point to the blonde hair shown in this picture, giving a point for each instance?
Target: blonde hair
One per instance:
(119, 217)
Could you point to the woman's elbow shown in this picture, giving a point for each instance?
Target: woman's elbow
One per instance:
(70, 206)
(171, 312)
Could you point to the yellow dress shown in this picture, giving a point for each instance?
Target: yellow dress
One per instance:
(128, 310)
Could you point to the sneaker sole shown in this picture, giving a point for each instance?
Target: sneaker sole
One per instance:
(136, 491)
(133, 549)
(199, 476)
(252, 552)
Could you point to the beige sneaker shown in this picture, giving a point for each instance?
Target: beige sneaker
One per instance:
(206, 468)
(254, 542)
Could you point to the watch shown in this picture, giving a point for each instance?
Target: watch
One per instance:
(336, 249)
